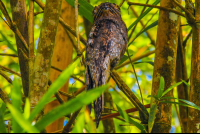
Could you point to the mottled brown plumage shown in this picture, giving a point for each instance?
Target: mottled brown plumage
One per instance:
(105, 47)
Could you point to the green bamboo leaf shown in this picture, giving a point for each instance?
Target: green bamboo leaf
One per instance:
(55, 86)
(142, 15)
(152, 117)
(128, 119)
(161, 87)
(150, 62)
(154, 96)
(70, 106)
(2, 124)
(182, 104)
(191, 104)
(186, 83)
(25, 124)
(16, 102)
(8, 42)
(165, 98)
(80, 123)
(84, 9)
(27, 109)
(186, 103)
(170, 88)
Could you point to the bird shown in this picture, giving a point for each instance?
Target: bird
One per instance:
(106, 45)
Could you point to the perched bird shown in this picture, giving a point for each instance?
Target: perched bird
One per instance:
(105, 47)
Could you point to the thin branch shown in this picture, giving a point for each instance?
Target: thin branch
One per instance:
(66, 94)
(12, 25)
(11, 55)
(135, 76)
(60, 100)
(6, 77)
(186, 39)
(134, 59)
(73, 76)
(67, 127)
(121, 3)
(159, 7)
(9, 70)
(4, 97)
(127, 111)
(77, 28)
(152, 41)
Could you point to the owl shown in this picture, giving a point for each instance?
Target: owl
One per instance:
(106, 44)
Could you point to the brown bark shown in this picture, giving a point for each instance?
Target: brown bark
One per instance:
(181, 74)
(165, 63)
(19, 13)
(45, 49)
(62, 57)
(194, 115)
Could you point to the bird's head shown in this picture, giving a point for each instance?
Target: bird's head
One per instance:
(106, 10)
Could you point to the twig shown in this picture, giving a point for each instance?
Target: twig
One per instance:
(36, 13)
(4, 97)
(186, 39)
(152, 41)
(12, 25)
(135, 76)
(60, 100)
(9, 70)
(134, 59)
(12, 55)
(67, 127)
(77, 28)
(159, 7)
(127, 111)
(66, 94)
(71, 76)
(6, 77)
(121, 3)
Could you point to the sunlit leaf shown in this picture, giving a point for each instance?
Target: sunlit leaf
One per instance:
(84, 9)
(27, 109)
(186, 103)
(191, 104)
(170, 88)
(128, 119)
(25, 124)
(2, 122)
(161, 87)
(152, 116)
(16, 102)
(55, 86)
(70, 106)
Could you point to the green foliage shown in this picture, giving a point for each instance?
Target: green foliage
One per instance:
(84, 9)
(152, 116)
(2, 124)
(70, 107)
(129, 120)
(142, 15)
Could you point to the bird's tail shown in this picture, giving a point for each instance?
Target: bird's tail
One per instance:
(98, 108)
